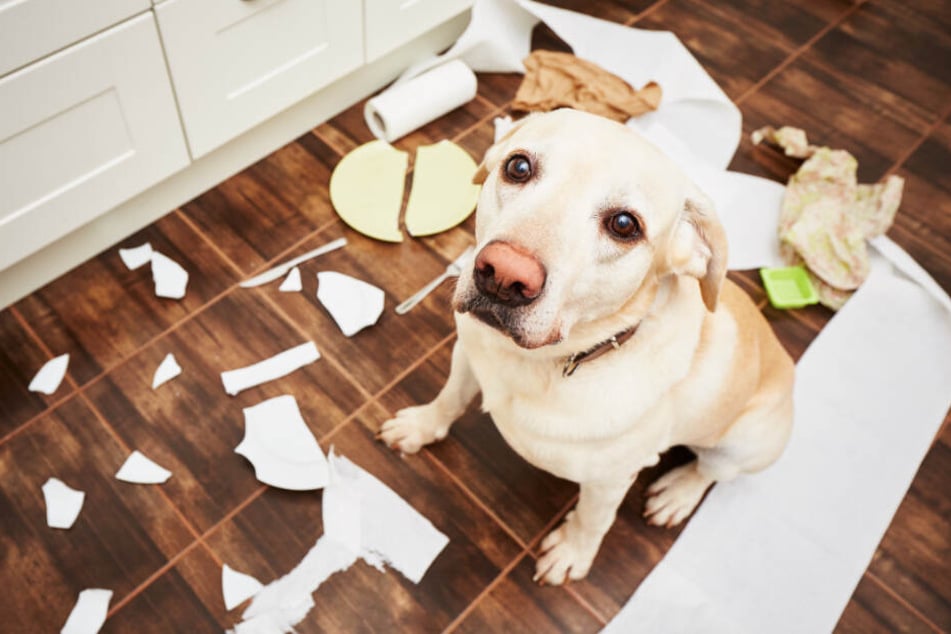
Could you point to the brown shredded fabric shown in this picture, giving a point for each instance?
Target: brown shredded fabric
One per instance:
(556, 80)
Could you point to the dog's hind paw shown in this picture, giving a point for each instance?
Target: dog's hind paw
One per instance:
(674, 496)
(566, 555)
(413, 428)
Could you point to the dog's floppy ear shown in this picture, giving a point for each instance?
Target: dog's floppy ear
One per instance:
(699, 246)
(494, 154)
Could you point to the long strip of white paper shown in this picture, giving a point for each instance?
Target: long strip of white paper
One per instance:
(49, 377)
(63, 503)
(237, 587)
(140, 470)
(783, 550)
(275, 367)
(89, 613)
(167, 370)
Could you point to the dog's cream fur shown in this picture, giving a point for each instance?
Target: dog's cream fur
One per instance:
(702, 370)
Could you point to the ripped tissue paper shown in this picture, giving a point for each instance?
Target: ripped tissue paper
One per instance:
(89, 613)
(280, 365)
(167, 370)
(353, 304)
(49, 377)
(63, 503)
(169, 277)
(138, 469)
(237, 587)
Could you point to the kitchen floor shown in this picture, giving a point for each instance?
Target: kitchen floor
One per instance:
(871, 77)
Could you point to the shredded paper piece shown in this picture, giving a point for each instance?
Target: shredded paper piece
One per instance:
(89, 613)
(292, 283)
(137, 256)
(353, 304)
(168, 369)
(363, 518)
(237, 587)
(169, 276)
(281, 447)
(140, 470)
(63, 503)
(49, 377)
(275, 367)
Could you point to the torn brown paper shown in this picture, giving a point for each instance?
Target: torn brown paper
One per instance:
(555, 80)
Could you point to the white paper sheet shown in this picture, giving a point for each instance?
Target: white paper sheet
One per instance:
(63, 503)
(49, 377)
(272, 368)
(169, 276)
(140, 470)
(167, 370)
(281, 447)
(89, 613)
(353, 304)
(292, 283)
(237, 587)
(136, 256)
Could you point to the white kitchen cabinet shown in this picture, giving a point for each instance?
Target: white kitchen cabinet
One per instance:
(235, 64)
(391, 23)
(82, 131)
(30, 29)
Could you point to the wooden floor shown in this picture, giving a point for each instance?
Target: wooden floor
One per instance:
(872, 77)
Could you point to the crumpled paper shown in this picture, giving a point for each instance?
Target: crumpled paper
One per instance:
(827, 218)
(555, 80)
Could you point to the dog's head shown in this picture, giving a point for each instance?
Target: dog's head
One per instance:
(579, 220)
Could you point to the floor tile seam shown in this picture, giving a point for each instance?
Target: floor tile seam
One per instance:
(937, 123)
(412, 367)
(557, 518)
(799, 51)
(593, 611)
(894, 594)
(497, 111)
(645, 13)
(152, 578)
(486, 591)
(339, 151)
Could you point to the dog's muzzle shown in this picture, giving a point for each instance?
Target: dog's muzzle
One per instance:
(507, 275)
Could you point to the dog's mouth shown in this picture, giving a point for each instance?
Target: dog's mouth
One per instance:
(504, 319)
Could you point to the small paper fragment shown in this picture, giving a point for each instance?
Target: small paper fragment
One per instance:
(136, 256)
(281, 447)
(168, 369)
(169, 276)
(63, 503)
(237, 587)
(49, 377)
(272, 368)
(89, 613)
(140, 470)
(353, 304)
(292, 283)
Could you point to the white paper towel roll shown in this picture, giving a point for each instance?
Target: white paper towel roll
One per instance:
(403, 108)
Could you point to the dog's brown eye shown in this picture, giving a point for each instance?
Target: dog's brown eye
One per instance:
(518, 168)
(623, 225)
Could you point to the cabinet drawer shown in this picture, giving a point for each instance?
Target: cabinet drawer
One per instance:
(30, 29)
(390, 23)
(236, 63)
(82, 131)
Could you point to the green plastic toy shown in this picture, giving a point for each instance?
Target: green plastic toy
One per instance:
(788, 287)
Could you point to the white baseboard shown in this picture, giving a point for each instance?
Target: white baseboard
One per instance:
(45, 265)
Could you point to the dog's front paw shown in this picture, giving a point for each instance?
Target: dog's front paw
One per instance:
(412, 428)
(675, 495)
(567, 553)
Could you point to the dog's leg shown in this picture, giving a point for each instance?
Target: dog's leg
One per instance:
(569, 550)
(414, 427)
(677, 493)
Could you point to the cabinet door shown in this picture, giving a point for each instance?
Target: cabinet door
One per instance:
(390, 23)
(82, 131)
(235, 63)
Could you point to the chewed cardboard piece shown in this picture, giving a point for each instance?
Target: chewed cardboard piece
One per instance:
(353, 304)
(443, 194)
(366, 189)
(49, 377)
(136, 256)
(168, 369)
(272, 368)
(281, 447)
(63, 503)
(89, 613)
(237, 587)
(140, 470)
(292, 283)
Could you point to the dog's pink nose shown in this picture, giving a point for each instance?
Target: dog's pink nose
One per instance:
(507, 275)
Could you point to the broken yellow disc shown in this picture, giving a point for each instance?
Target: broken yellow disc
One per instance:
(366, 189)
(443, 194)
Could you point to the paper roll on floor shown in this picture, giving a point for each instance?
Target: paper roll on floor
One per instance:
(411, 105)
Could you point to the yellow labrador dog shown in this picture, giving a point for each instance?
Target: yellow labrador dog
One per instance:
(598, 324)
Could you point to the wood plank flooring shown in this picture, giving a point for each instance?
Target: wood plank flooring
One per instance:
(873, 77)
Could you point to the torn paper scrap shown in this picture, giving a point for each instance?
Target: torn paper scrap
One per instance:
(561, 80)
(292, 283)
(281, 447)
(237, 587)
(63, 503)
(275, 367)
(140, 470)
(168, 369)
(169, 276)
(49, 377)
(443, 194)
(366, 189)
(136, 256)
(353, 304)
(89, 613)
(272, 274)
